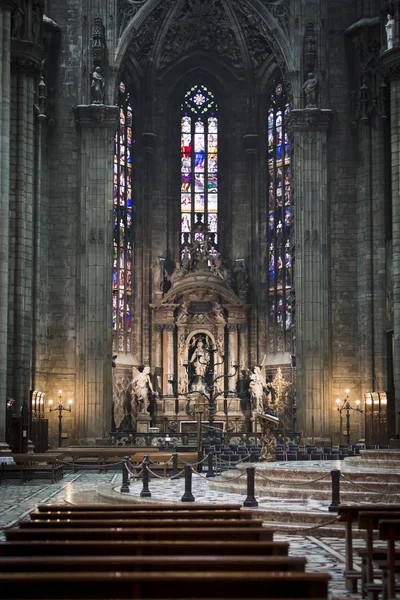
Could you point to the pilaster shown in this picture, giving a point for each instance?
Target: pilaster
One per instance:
(96, 125)
(391, 69)
(309, 130)
(5, 83)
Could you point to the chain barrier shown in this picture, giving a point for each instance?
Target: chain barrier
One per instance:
(258, 474)
(195, 464)
(233, 462)
(152, 462)
(166, 476)
(221, 480)
(335, 520)
(366, 489)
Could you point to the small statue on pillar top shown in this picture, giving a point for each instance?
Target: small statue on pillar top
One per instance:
(97, 87)
(389, 26)
(310, 90)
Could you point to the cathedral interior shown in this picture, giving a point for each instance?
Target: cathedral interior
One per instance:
(195, 194)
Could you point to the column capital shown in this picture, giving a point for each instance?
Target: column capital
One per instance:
(391, 63)
(310, 119)
(96, 116)
(6, 4)
(149, 141)
(250, 142)
(26, 56)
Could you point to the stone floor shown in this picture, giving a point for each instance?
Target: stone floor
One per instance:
(16, 501)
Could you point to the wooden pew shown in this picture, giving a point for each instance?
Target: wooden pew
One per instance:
(369, 520)
(134, 506)
(87, 515)
(140, 533)
(142, 548)
(124, 585)
(41, 465)
(140, 564)
(389, 531)
(348, 513)
(142, 523)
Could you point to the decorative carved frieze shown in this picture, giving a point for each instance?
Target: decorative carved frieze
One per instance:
(199, 25)
(309, 119)
(96, 115)
(126, 11)
(26, 56)
(143, 39)
(279, 9)
(391, 63)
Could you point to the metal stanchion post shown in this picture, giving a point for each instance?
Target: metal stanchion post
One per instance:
(125, 476)
(335, 474)
(210, 471)
(145, 493)
(188, 496)
(250, 500)
(174, 464)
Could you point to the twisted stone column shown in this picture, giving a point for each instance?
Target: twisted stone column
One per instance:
(309, 128)
(391, 68)
(96, 125)
(5, 84)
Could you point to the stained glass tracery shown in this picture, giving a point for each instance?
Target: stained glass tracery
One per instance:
(280, 290)
(123, 236)
(199, 164)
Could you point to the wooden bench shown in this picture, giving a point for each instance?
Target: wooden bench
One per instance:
(124, 585)
(87, 515)
(369, 521)
(46, 465)
(142, 523)
(138, 506)
(140, 533)
(142, 548)
(189, 564)
(162, 461)
(348, 513)
(389, 531)
(95, 457)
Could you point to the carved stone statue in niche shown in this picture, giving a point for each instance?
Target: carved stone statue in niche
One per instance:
(97, 86)
(389, 26)
(36, 22)
(310, 90)
(141, 386)
(199, 363)
(120, 387)
(17, 21)
(241, 278)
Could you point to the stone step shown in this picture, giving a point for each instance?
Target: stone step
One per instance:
(304, 530)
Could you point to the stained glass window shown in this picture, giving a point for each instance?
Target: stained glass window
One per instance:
(199, 165)
(279, 220)
(123, 238)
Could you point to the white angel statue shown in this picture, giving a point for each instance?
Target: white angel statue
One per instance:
(141, 384)
(258, 389)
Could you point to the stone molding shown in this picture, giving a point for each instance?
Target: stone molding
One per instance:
(149, 141)
(250, 143)
(26, 56)
(96, 115)
(310, 119)
(391, 63)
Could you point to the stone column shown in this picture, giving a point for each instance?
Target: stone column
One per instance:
(96, 125)
(26, 57)
(391, 69)
(309, 129)
(232, 355)
(145, 220)
(5, 84)
(257, 318)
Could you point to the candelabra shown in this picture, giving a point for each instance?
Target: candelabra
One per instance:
(346, 406)
(60, 407)
(210, 394)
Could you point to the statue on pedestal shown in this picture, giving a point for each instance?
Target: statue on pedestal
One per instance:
(141, 385)
(310, 91)
(97, 87)
(268, 439)
(258, 388)
(389, 26)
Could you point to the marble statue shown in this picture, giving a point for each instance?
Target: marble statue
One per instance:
(97, 86)
(36, 22)
(17, 21)
(310, 91)
(241, 278)
(158, 276)
(200, 360)
(258, 388)
(119, 390)
(389, 26)
(268, 442)
(141, 385)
